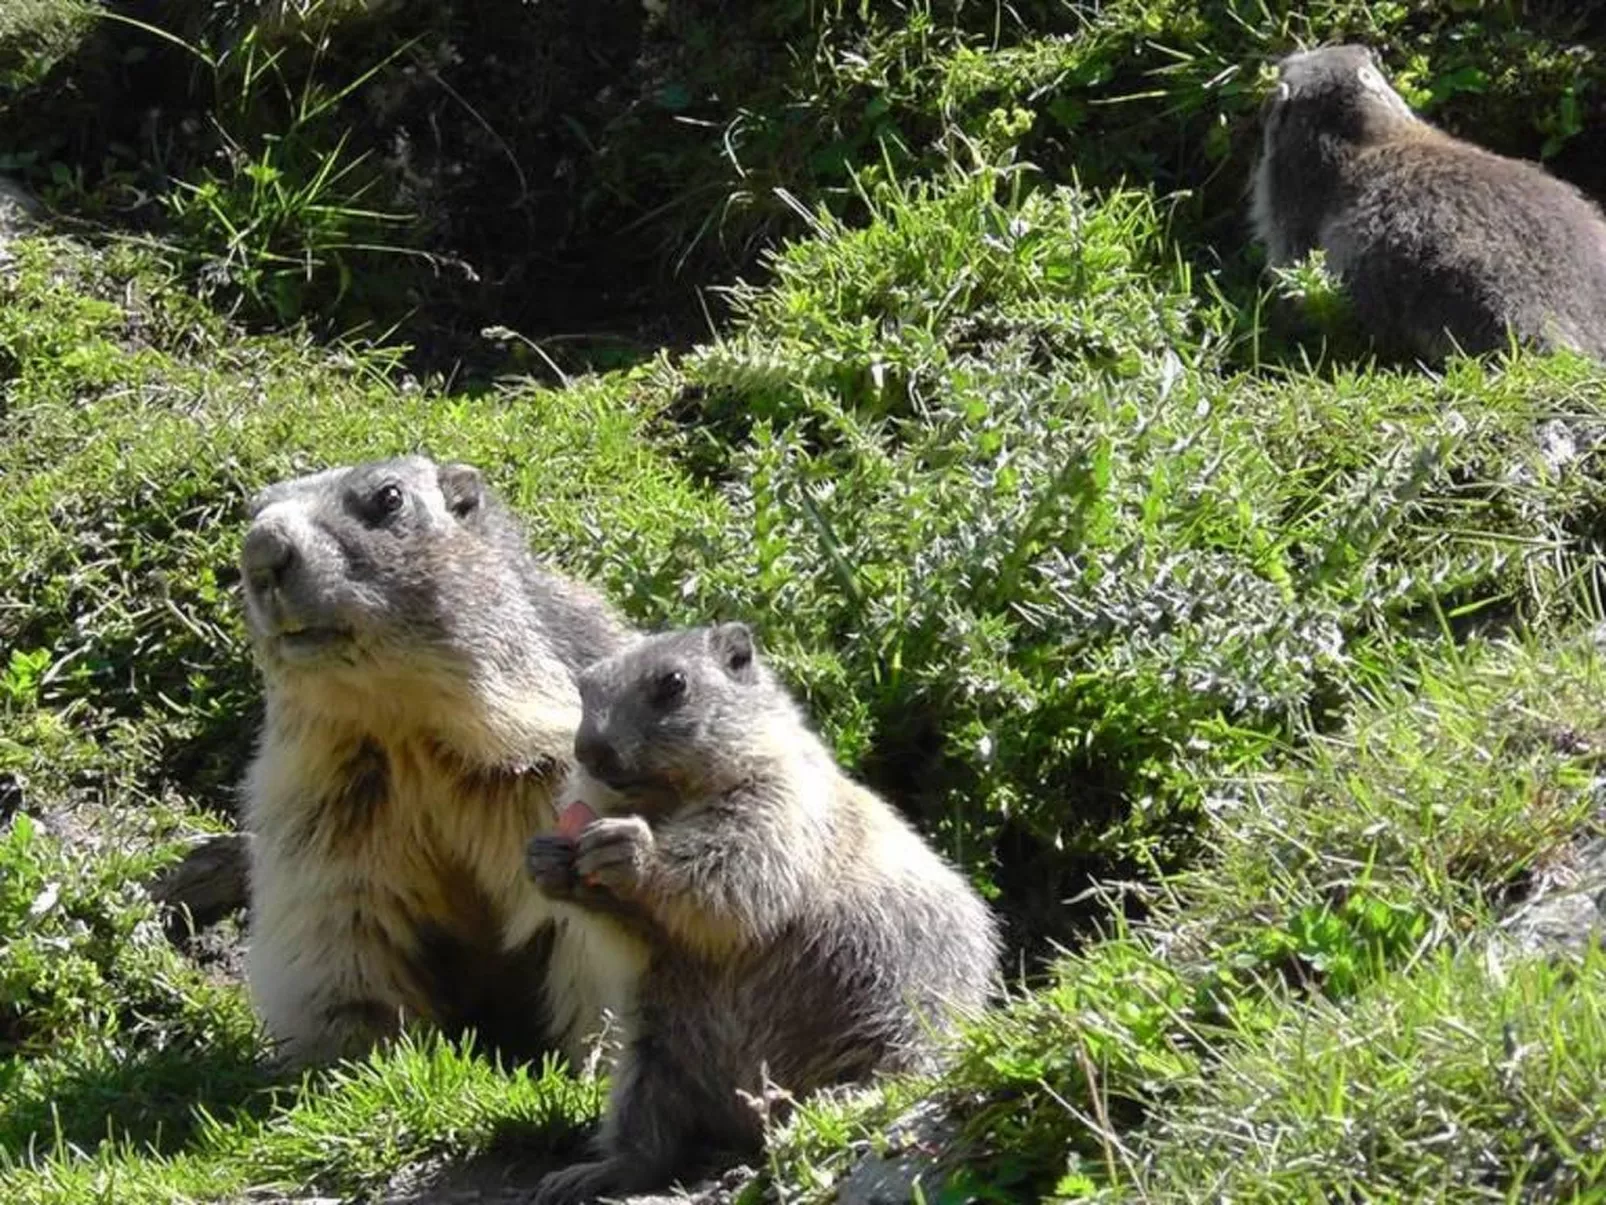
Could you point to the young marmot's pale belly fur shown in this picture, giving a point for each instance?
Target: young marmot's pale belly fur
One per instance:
(420, 707)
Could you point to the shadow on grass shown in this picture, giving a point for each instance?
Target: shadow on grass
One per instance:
(521, 1153)
(505, 1173)
(527, 225)
(152, 1099)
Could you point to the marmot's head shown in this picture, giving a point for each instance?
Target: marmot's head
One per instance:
(677, 716)
(1333, 92)
(377, 569)
(1328, 104)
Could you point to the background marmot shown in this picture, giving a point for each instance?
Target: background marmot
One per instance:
(420, 707)
(1438, 243)
(794, 922)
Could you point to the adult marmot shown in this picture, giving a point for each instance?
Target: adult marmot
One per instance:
(420, 708)
(1438, 243)
(797, 931)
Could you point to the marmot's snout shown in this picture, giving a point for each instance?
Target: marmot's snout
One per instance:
(597, 754)
(289, 607)
(267, 554)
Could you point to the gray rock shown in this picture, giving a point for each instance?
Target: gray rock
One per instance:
(1566, 909)
(210, 882)
(19, 211)
(915, 1144)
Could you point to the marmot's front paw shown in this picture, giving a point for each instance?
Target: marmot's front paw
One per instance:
(549, 859)
(613, 854)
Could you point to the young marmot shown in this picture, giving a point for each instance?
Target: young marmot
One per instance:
(798, 933)
(420, 710)
(1439, 244)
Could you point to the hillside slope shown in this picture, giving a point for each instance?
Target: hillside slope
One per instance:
(1259, 686)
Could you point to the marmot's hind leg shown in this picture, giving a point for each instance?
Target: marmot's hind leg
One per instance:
(649, 1130)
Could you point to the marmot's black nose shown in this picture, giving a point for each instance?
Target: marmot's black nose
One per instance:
(596, 754)
(268, 552)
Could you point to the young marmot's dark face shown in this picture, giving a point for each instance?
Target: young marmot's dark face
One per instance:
(1334, 91)
(340, 567)
(674, 716)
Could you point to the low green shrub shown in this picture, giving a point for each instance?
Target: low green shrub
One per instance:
(104, 1027)
(35, 34)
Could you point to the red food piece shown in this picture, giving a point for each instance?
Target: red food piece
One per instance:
(574, 818)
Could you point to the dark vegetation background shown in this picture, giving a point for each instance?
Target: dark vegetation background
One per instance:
(578, 171)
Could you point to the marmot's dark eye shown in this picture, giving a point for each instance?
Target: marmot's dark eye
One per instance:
(668, 688)
(387, 500)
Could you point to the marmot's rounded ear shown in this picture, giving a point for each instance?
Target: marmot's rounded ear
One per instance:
(463, 487)
(734, 644)
(266, 497)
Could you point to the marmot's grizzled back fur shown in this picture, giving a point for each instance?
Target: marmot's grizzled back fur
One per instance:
(419, 670)
(795, 927)
(1439, 244)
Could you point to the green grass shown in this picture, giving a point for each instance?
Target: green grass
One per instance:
(349, 1131)
(1445, 1082)
(1251, 681)
(1317, 1010)
(36, 33)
